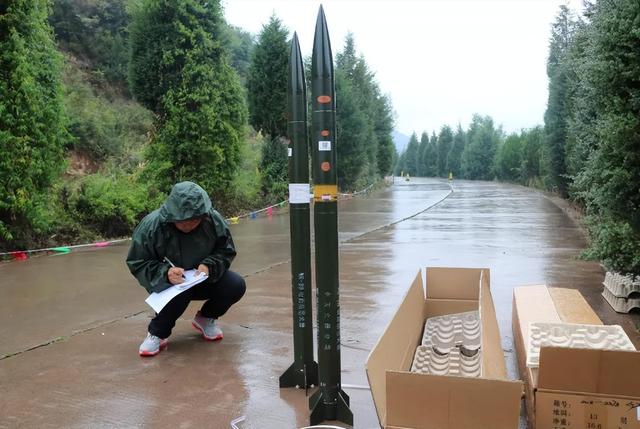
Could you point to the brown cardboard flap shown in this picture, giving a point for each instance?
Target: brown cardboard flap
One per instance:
(572, 307)
(493, 365)
(609, 372)
(397, 345)
(453, 283)
(451, 402)
(525, 373)
(439, 307)
(532, 304)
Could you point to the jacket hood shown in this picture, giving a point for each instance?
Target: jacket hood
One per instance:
(186, 201)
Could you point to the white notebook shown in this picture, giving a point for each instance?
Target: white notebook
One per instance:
(157, 301)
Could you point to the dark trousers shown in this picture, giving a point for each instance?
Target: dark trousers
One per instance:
(219, 296)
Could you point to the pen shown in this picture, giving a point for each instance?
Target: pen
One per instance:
(172, 264)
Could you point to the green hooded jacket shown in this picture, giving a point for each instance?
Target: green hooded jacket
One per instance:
(157, 238)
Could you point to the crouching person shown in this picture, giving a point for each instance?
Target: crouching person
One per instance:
(185, 233)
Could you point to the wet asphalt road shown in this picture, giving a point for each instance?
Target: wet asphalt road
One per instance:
(70, 325)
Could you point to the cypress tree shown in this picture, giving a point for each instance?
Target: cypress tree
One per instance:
(375, 110)
(610, 180)
(267, 86)
(556, 115)
(445, 142)
(479, 154)
(428, 156)
(267, 82)
(509, 159)
(32, 131)
(351, 128)
(454, 158)
(384, 128)
(412, 156)
(581, 123)
(180, 70)
(422, 149)
(532, 142)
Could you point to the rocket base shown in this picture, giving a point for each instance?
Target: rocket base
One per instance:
(322, 411)
(304, 377)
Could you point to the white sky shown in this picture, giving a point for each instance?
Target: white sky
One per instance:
(439, 61)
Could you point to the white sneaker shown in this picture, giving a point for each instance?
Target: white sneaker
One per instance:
(208, 327)
(152, 345)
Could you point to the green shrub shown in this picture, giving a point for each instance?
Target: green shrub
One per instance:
(111, 205)
(616, 243)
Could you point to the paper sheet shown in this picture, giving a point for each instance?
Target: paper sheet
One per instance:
(299, 193)
(157, 301)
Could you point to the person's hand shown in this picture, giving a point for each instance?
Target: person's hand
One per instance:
(175, 275)
(202, 268)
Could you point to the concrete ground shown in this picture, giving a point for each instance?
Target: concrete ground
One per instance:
(70, 325)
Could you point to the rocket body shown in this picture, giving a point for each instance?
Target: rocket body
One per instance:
(329, 402)
(304, 370)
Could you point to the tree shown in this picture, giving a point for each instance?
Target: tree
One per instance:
(454, 158)
(267, 82)
(428, 157)
(156, 56)
(445, 142)
(422, 148)
(509, 159)
(240, 45)
(610, 179)
(556, 115)
(479, 154)
(350, 128)
(180, 70)
(581, 123)
(383, 123)
(370, 120)
(374, 108)
(412, 155)
(267, 94)
(532, 141)
(32, 122)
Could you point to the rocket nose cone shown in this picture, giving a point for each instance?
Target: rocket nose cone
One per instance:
(321, 15)
(295, 49)
(296, 67)
(322, 58)
(321, 24)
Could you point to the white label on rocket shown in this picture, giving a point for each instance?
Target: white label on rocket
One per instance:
(324, 145)
(299, 193)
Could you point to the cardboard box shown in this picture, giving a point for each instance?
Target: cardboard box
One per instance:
(406, 400)
(573, 388)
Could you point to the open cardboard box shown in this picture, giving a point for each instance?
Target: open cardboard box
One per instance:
(573, 388)
(406, 400)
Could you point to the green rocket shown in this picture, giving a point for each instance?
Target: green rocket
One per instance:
(329, 402)
(304, 370)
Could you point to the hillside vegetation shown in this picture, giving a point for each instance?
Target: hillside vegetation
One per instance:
(107, 103)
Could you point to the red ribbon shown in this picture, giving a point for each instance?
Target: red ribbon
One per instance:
(20, 256)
